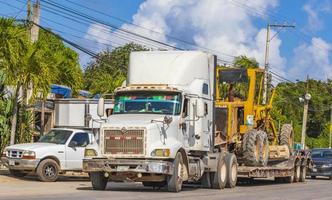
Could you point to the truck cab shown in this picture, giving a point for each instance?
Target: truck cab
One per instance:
(163, 113)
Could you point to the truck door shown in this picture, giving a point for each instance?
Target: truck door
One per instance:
(75, 151)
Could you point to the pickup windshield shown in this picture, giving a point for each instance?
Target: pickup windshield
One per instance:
(56, 137)
(168, 103)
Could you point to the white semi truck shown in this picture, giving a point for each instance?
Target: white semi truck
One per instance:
(162, 128)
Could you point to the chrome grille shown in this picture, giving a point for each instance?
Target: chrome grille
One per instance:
(123, 141)
(14, 153)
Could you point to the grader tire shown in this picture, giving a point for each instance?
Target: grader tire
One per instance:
(264, 148)
(286, 136)
(250, 148)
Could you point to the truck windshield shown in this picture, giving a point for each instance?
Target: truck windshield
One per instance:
(168, 103)
(56, 137)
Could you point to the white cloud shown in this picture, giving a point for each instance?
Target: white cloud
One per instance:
(315, 10)
(312, 59)
(222, 25)
(100, 34)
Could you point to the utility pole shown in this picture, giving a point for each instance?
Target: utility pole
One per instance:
(34, 34)
(266, 60)
(307, 98)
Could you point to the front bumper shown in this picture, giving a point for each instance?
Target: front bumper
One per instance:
(128, 165)
(20, 164)
(318, 171)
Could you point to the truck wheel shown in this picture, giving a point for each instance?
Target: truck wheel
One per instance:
(251, 148)
(17, 173)
(297, 173)
(98, 180)
(219, 178)
(48, 170)
(231, 166)
(303, 173)
(313, 177)
(286, 136)
(264, 148)
(174, 182)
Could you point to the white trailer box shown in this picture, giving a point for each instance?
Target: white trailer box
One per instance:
(75, 113)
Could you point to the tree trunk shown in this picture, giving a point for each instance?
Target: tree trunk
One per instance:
(14, 115)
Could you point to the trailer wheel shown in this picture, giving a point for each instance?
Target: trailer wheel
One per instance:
(297, 173)
(286, 136)
(231, 166)
(251, 148)
(289, 179)
(174, 182)
(98, 180)
(303, 173)
(219, 178)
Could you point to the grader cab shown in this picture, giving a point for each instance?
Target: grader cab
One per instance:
(243, 123)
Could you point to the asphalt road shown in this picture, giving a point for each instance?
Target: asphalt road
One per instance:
(80, 188)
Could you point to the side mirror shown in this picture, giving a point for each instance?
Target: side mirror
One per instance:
(100, 108)
(72, 144)
(168, 119)
(200, 110)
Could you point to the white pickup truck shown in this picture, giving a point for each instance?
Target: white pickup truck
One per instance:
(58, 151)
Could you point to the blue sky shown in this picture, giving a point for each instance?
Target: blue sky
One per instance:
(226, 27)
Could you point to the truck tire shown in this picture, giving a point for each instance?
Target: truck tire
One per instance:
(219, 178)
(98, 180)
(297, 173)
(174, 181)
(251, 148)
(17, 173)
(48, 170)
(231, 166)
(303, 173)
(264, 148)
(286, 136)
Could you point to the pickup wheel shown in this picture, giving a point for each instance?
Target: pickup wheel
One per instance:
(17, 173)
(98, 180)
(219, 178)
(231, 166)
(48, 170)
(174, 181)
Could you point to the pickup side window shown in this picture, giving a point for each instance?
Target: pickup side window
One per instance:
(81, 139)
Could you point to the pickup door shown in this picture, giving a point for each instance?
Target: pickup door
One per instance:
(75, 151)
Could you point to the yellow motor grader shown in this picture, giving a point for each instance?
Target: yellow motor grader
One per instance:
(245, 127)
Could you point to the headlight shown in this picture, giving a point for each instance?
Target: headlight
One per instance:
(160, 153)
(29, 155)
(90, 153)
(327, 165)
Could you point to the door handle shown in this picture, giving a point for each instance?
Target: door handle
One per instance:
(60, 152)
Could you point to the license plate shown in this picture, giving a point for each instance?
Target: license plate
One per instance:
(122, 168)
(11, 162)
(314, 170)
